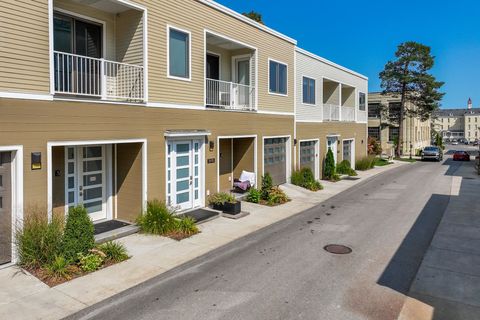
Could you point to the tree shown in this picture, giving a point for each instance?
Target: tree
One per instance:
(255, 16)
(329, 167)
(408, 77)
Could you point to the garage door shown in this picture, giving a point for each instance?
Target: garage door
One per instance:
(5, 207)
(275, 159)
(307, 155)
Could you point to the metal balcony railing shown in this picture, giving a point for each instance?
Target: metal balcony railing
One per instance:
(229, 95)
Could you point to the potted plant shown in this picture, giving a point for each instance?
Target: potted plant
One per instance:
(225, 202)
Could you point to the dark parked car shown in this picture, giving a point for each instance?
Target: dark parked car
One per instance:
(461, 156)
(432, 153)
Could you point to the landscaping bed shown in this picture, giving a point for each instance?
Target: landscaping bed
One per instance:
(268, 195)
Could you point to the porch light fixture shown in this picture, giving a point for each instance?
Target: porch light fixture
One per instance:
(211, 145)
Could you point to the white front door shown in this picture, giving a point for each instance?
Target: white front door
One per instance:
(348, 152)
(85, 179)
(332, 144)
(183, 174)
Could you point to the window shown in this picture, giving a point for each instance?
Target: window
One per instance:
(374, 110)
(178, 54)
(278, 77)
(392, 134)
(374, 132)
(308, 90)
(361, 101)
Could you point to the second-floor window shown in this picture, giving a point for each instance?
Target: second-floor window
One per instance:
(308, 86)
(362, 101)
(373, 110)
(277, 78)
(178, 54)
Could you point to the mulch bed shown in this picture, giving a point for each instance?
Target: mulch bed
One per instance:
(178, 235)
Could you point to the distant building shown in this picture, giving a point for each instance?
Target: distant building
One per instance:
(458, 123)
(416, 133)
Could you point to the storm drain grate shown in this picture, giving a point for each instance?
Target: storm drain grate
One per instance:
(337, 249)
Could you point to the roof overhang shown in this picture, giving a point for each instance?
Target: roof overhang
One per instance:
(186, 133)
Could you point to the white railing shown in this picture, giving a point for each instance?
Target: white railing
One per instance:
(85, 76)
(348, 113)
(331, 112)
(361, 116)
(229, 95)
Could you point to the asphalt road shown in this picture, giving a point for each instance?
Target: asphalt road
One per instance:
(283, 272)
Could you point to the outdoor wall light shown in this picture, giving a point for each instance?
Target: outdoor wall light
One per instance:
(211, 145)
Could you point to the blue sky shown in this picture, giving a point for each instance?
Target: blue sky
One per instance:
(363, 35)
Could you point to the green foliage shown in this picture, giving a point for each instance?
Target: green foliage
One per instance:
(276, 196)
(89, 262)
(305, 179)
(157, 219)
(345, 167)
(114, 251)
(379, 162)
(59, 267)
(255, 16)
(329, 166)
(365, 163)
(39, 241)
(267, 185)
(374, 147)
(187, 226)
(439, 141)
(221, 198)
(254, 195)
(409, 77)
(79, 233)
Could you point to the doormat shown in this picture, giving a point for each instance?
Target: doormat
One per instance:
(109, 226)
(200, 215)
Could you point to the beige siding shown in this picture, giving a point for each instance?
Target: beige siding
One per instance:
(129, 37)
(331, 93)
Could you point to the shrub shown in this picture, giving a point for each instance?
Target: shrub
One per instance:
(79, 233)
(276, 196)
(254, 195)
(114, 251)
(306, 179)
(329, 167)
(345, 167)
(365, 163)
(187, 226)
(89, 262)
(221, 198)
(374, 147)
(39, 241)
(157, 219)
(267, 185)
(59, 267)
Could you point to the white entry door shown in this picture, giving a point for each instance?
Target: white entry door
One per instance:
(242, 77)
(332, 144)
(86, 179)
(183, 174)
(349, 152)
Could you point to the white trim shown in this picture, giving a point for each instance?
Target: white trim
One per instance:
(255, 165)
(295, 106)
(288, 151)
(278, 113)
(175, 106)
(333, 64)
(352, 151)
(17, 195)
(51, 47)
(240, 57)
(26, 96)
(170, 27)
(268, 77)
(317, 155)
(51, 144)
(115, 185)
(310, 121)
(316, 96)
(247, 20)
(185, 135)
(145, 54)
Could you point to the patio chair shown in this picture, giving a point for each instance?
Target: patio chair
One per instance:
(245, 182)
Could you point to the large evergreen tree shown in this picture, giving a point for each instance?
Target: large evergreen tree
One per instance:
(409, 77)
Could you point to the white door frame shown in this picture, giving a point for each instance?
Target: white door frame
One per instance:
(352, 151)
(335, 152)
(288, 153)
(52, 144)
(201, 161)
(317, 155)
(255, 167)
(17, 195)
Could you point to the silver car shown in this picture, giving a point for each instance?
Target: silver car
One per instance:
(432, 153)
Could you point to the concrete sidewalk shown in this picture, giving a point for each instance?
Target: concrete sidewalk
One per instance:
(25, 297)
(447, 284)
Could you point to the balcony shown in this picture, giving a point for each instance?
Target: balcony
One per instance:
(361, 116)
(347, 113)
(230, 82)
(97, 78)
(98, 50)
(331, 112)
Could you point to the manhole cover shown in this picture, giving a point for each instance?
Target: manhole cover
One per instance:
(337, 249)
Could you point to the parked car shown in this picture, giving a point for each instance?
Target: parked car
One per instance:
(475, 143)
(455, 142)
(461, 156)
(432, 153)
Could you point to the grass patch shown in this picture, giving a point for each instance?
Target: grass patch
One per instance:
(345, 167)
(366, 163)
(379, 162)
(305, 178)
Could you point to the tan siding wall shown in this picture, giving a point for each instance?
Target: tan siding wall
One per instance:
(243, 156)
(34, 123)
(320, 131)
(129, 37)
(24, 60)
(129, 181)
(225, 163)
(331, 93)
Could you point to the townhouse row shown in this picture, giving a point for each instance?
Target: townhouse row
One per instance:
(110, 103)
